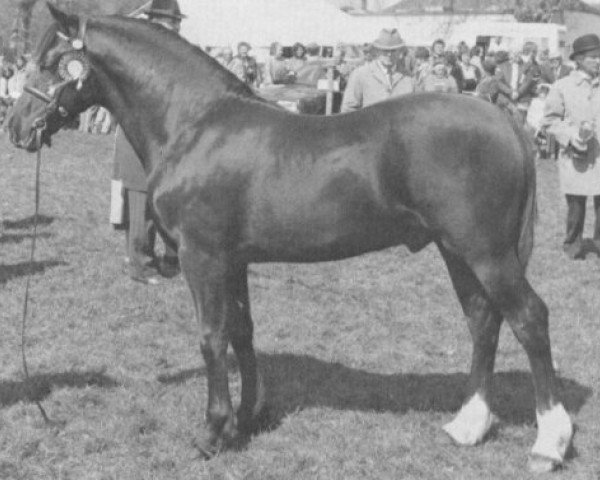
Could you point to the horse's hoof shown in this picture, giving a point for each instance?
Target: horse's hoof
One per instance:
(206, 447)
(206, 451)
(540, 464)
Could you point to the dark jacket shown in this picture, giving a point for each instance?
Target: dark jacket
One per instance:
(128, 167)
(529, 77)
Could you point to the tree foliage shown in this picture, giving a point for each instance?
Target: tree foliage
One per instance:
(14, 12)
(543, 11)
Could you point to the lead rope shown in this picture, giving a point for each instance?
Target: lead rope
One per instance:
(38, 139)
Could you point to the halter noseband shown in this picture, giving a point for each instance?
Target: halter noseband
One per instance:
(52, 98)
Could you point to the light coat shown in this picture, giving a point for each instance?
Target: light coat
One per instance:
(572, 100)
(368, 84)
(127, 166)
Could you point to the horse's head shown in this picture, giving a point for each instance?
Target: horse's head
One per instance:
(59, 85)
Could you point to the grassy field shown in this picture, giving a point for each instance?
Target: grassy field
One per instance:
(364, 359)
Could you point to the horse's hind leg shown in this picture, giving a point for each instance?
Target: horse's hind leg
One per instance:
(241, 332)
(475, 419)
(527, 315)
(206, 275)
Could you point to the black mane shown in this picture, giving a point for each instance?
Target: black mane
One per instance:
(168, 54)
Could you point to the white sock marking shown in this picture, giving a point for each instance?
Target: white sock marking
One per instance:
(555, 431)
(472, 423)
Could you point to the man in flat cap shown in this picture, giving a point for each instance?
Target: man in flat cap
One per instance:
(140, 230)
(572, 116)
(380, 79)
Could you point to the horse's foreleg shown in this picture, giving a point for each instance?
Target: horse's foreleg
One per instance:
(207, 279)
(475, 418)
(528, 317)
(241, 333)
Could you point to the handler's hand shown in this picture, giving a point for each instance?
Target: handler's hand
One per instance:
(576, 153)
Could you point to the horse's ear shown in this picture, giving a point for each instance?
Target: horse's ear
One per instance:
(68, 24)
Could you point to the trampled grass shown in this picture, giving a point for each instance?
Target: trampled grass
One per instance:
(364, 359)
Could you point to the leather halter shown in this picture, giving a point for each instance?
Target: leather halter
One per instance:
(52, 98)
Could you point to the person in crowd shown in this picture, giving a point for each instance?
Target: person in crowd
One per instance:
(298, 59)
(535, 116)
(381, 78)
(503, 63)
(346, 59)
(488, 87)
(461, 48)
(225, 57)
(438, 79)
(7, 72)
(422, 65)
(215, 52)
(313, 51)
(543, 57)
(522, 75)
(368, 52)
(17, 81)
(276, 69)
(554, 69)
(454, 69)
(476, 58)
(529, 76)
(438, 48)
(140, 230)
(245, 66)
(470, 73)
(11, 51)
(571, 115)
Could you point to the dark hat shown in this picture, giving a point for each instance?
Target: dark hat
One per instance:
(585, 43)
(165, 8)
(388, 40)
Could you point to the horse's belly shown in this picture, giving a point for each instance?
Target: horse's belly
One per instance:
(331, 233)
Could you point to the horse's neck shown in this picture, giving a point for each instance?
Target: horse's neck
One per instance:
(155, 103)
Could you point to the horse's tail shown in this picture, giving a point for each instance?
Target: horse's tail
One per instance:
(529, 204)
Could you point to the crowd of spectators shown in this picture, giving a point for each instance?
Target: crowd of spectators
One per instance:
(511, 79)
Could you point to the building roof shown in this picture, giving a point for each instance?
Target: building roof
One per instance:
(482, 6)
(432, 6)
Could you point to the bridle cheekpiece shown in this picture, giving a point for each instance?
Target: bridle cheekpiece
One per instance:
(73, 67)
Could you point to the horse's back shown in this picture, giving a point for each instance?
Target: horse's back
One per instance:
(276, 186)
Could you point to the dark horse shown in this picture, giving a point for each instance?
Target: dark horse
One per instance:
(233, 180)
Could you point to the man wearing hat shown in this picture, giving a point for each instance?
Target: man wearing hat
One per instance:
(522, 75)
(140, 230)
(381, 78)
(554, 69)
(572, 116)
